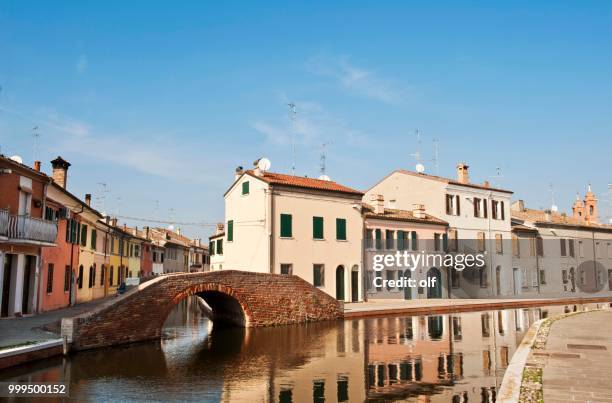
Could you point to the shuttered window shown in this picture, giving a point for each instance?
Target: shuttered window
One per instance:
(341, 229)
(378, 239)
(94, 238)
(401, 244)
(230, 231)
(84, 235)
(415, 241)
(286, 228)
(220, 246)
(245, 188)
(317, 227)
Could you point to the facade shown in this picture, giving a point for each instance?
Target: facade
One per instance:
(215, 248)
(559, 255)
(198, 256)
(388, 230)
(24, 232)
(285, 224)
(478, 217)
(176, 249)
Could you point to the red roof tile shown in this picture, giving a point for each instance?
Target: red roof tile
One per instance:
(303, 182)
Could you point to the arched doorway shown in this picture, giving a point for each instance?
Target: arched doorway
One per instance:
(355, 283)
(340, 283)
(407, 289)
(434, 282)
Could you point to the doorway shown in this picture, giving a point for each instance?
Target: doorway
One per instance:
(498, 279)
(340, 283)
(29, 272)
(355, 283)
(6, 284)
(407, 289)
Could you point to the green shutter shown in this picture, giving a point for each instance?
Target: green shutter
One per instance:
(286, 230)
(68, 229)
(400, 240)
(445, 242)
(94, 238)
(341, 229)
(230, 230)
(220, 246)
(415, 243)
(378, 238)
(317, 227)
(245, 188)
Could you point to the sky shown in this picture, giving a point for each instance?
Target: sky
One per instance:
(160, 101)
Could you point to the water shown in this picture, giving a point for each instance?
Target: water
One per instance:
(440, 358)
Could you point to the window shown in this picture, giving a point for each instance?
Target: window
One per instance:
(50, 278)
(102, 274)
(84, 235)
(543, 277)
(219, 246)
(230, 230)
(453, 205)
(91, 276)
(389, 234)
(539, 246)
(340, 229)
(484, 277)
(94, 238)
(478, 207)
(454, 240)
(437, 242)
(481, 241)
(532, 246)
(80, 277)
(498, 210)
(343, 389)
(317, 227)
(318, 391)
(286, 226)
(67, 273)
(111, 274)
(286, 268)
(245, 188)
(580, 249)
(390, 276)
(516, 251)
(211, 248)
(369, 239)
(455, 279)
(318, 275)
(499, 244)
(415, 241)
(563, 251)
(72, 231)
(402, 240)
(485, 324)
(378, 234)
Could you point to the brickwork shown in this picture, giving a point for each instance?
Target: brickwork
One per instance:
(236, 297)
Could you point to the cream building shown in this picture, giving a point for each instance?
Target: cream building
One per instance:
(285, 224)
(478, 217)
(215, 248)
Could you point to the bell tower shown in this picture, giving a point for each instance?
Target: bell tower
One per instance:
(590, 206)
(578, 209)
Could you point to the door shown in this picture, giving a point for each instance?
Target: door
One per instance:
(407, 289)
(355, 285)
(434, 283)
(517, 281)
(498, 279)
(340, 283)
(573, 279)
(28, 274)
(6, 284)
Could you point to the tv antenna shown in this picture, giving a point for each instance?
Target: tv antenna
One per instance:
(36, 136)
(323, 166)
(436, 144)
(553, 206)
(293, 117)
(497, 176)
(102, 197)
(420, 168)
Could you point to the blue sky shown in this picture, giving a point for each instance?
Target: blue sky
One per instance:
(162, 101)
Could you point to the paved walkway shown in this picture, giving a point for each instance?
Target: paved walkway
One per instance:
(579, 365)
(30, 328)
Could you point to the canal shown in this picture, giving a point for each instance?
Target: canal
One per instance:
(443, 358)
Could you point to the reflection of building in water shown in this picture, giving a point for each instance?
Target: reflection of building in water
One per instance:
(331, 371)
(458, 358)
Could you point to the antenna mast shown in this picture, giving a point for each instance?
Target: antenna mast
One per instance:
(36, 135)
(324, 157)
(292, 116)
(417, 154)
(435, 158)
(497, 175)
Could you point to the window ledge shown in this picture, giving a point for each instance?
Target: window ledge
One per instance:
(318, 239)
(286, 237)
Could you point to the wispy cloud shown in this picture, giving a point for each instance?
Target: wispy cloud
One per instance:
(357, 80)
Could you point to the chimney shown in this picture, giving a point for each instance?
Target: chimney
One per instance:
(88, 199)
(547, 215)
(125, 227)
(462, 173)
(379, 203)
(486, 184)
(114, 221)
(146, 229)
(239, 172)
(419, 211)
(219, 228)
(178, 231)
(518, 205)
(60, 171)
(37, 166)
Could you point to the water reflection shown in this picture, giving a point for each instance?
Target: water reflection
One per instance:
(455, 357)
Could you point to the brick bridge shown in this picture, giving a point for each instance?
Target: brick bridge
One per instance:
(237, 298)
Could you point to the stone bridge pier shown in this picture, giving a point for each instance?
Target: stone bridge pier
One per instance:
(237, 298)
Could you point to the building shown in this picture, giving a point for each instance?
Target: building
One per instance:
(556, 254)
(286, 224)
(388, 230)
(24, 232)
(176, 249)
(215, 248)
(198, 256)
(478, 216)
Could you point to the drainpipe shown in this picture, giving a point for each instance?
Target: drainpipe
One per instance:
(40, 251)
(271, 231)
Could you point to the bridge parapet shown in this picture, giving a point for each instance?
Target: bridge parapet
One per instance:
(236, 297)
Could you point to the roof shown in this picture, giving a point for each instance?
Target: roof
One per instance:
(168, 236)
(24, 166)
(303, 182)
(539, 217)
(521, 227)
(400, 215)
(219, 235)
(447, 180)
(75, 198)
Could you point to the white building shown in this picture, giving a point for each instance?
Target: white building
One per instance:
(285, 224)
(478, 218)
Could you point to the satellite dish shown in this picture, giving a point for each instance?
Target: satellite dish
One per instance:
(17, 159)
(554, 208)
(420, 168)
(264, 164)
(324, 178)
(171, 227)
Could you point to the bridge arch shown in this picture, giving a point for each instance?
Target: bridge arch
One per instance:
(237, 298)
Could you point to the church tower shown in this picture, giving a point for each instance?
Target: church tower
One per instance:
(590, 206)
(578, 209)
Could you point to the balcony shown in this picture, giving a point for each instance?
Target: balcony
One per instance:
(25, 229)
